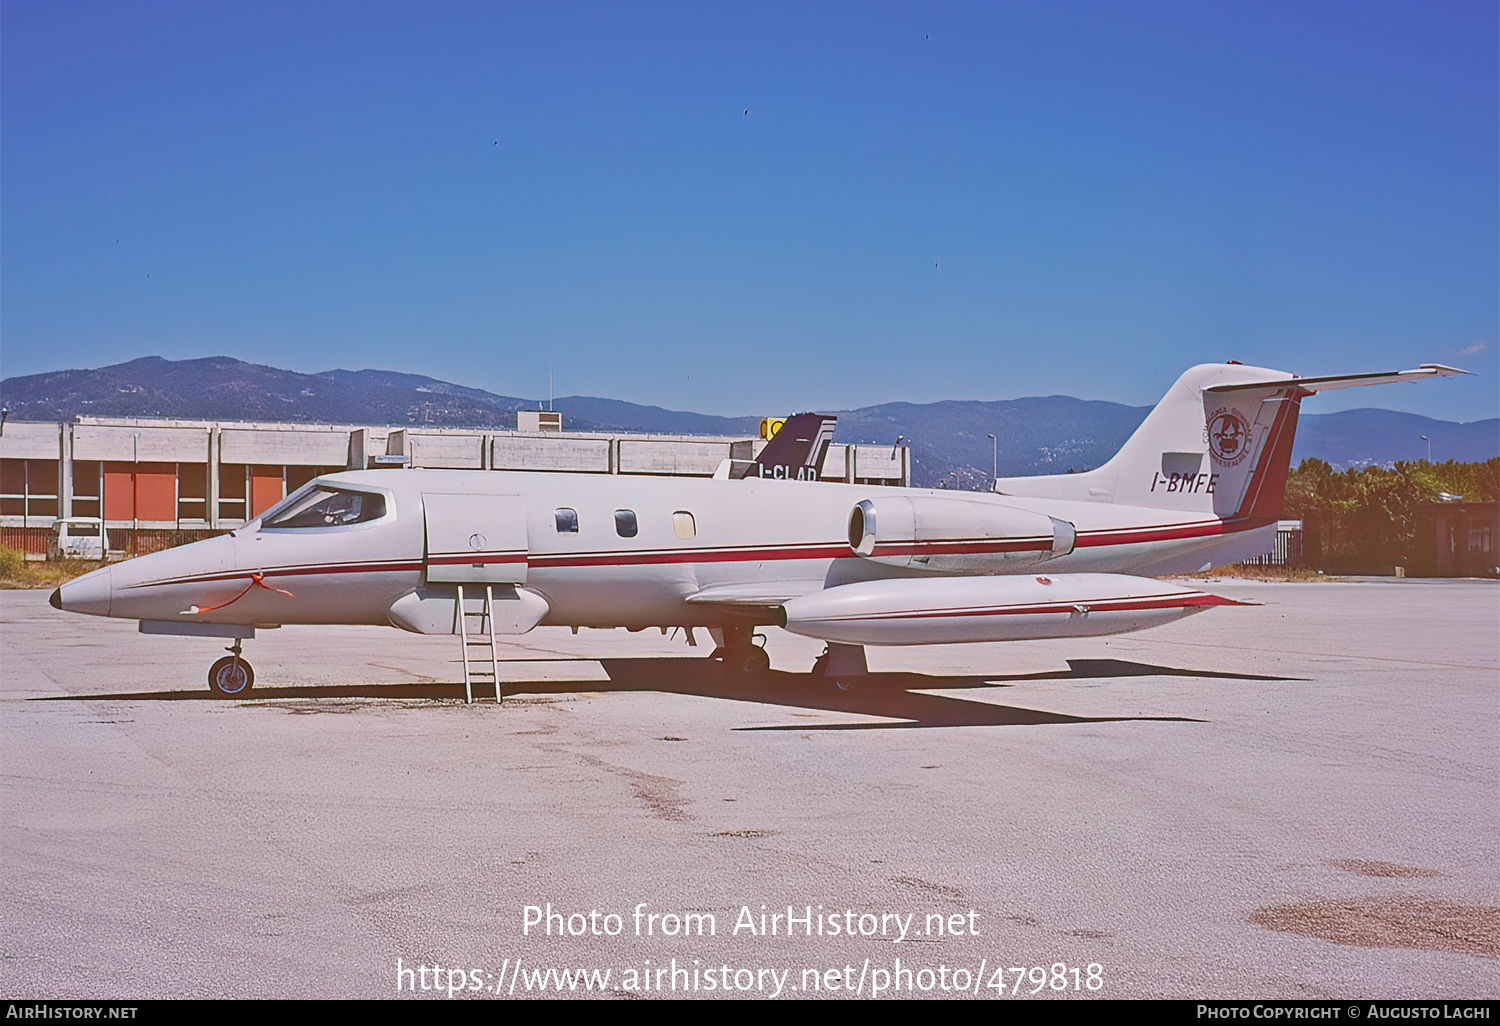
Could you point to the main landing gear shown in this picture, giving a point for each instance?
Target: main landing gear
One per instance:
(739, 653)
(843, 664)
(231, 675)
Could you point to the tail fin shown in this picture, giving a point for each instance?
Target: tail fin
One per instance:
(1219, 443)
(795, 453)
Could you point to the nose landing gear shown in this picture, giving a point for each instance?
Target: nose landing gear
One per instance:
(231, 675)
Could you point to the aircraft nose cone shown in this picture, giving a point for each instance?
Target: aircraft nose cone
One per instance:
(90, 593)
(56, 598)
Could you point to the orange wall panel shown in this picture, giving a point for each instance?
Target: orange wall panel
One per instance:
(156, 491)
(265, 489)
(119, 491)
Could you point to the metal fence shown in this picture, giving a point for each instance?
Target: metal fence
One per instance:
(1287, 550)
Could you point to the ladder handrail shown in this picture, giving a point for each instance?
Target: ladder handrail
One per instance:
(463, 646)
(489, 619)
(486, 616)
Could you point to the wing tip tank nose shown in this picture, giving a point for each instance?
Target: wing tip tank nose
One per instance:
(56, 599)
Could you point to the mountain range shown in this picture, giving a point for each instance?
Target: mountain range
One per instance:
(949, 440)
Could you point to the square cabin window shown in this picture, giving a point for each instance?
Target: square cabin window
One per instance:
(567, 520)
(683, 525)
(625, 523)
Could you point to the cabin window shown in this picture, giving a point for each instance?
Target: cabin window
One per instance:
(625, 523)
(683, 525)
(326, 507)
(567, 520)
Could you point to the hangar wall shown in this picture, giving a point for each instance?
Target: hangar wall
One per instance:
(152, 480)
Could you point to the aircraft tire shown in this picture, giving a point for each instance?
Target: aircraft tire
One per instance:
(230, 677)
(752, 662)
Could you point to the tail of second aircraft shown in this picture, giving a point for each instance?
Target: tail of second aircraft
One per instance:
(795, 453)
(1219, 443)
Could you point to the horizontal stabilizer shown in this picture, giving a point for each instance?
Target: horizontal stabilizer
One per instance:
(1335, 381)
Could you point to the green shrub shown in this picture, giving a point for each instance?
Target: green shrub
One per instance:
(12, 562)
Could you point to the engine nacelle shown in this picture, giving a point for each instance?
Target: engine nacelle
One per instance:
(940, 611)
(965, 536)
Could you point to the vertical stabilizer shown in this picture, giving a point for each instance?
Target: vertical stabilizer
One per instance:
(1219, 443)
(796, 452)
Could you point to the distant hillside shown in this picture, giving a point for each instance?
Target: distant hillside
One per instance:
(949, 440)
(222, 388)
(1365, 438)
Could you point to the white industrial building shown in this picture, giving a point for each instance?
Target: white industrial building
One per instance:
(157, 483)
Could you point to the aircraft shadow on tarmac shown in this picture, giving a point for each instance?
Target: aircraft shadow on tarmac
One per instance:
(896, 696)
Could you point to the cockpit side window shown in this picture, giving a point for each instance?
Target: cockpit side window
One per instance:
(294, 499)
(327, 507)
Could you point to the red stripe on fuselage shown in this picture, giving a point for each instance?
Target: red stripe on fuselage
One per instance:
(812, 550)
(379, 567)
(791, 551)
(1168, 532)
(476, 558)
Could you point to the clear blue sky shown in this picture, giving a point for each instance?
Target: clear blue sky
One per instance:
(752, 208)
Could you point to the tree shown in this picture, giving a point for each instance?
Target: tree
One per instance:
(1364, 520)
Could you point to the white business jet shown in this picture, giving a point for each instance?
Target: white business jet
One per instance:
(489, 553)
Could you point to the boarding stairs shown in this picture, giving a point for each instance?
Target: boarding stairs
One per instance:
(475, 643)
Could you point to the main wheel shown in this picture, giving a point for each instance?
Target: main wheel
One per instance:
(750, 661)
(230, 676)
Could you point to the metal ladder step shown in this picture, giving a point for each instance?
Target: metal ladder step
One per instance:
(483, 638)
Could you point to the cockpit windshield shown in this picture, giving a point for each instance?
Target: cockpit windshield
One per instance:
(321, 506)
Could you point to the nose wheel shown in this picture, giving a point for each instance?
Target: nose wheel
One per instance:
(231, 675)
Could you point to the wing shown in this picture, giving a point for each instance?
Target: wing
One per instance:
(753, 597)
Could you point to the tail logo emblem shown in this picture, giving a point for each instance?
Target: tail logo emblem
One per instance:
(1228, 437)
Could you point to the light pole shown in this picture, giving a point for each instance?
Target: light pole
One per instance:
(1429, 447)
(994, 459)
